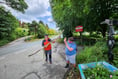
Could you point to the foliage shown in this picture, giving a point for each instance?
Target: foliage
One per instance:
(40, 29)
(8, 24)
(19, 5)
(93, 53)
(70, 13)
(98, 52)
(99, 72)
(20, 32)
(116, 37)
(9, 27)
(3, 42)
(51, 32)
(115, 52)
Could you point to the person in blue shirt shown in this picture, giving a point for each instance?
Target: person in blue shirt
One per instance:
(70, 51)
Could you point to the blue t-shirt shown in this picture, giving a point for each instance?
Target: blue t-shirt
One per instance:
(72, 45)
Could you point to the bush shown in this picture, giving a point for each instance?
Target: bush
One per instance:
(20, 32)
(93, 53)
(115, 52)
(116, 37)
(99, 72)
(85, 41)
(3, 42)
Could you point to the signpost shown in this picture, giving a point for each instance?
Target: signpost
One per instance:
(79, 29)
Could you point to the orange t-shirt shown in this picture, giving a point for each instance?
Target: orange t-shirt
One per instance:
(45, 42)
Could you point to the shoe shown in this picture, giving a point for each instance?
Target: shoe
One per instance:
(67, 65)
(46, 61)
(75, 69)
(50, 62)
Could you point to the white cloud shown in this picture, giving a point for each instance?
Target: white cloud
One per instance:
(36, 9)
(50, 19)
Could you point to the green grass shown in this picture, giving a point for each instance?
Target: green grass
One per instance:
(97, 52)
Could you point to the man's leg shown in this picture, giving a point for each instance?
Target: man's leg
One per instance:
(50, 56)
(67, 62)
(72, 60)
(46, 56)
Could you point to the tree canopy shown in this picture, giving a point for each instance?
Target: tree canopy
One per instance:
(8, 23)
(19, 5)
(89, 13)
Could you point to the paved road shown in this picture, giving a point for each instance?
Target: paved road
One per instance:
(15, 63)
(18, 45)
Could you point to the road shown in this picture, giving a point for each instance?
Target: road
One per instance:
(19, 45)
(15, 63)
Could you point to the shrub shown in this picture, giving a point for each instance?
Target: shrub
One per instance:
(116, 37)
(99, 72)
(93, 53)
(3, 42)
(20, 32)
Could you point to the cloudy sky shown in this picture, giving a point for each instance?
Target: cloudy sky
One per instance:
(37, 10)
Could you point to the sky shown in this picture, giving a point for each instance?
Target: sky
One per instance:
(37, 10)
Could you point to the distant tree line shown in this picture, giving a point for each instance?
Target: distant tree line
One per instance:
(11, 28)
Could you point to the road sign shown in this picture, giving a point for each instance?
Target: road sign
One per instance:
(79, 28)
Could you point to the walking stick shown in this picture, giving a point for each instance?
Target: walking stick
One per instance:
(43, 47)
(39, 49)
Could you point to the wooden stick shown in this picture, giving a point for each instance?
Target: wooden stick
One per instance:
(39, 49)
(44, 46)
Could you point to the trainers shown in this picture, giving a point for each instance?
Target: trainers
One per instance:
(50, 62)
(67, 65)
(46, 61)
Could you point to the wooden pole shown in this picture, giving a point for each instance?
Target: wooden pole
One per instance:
(43, 47)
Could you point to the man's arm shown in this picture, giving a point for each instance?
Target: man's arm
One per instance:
(53, 41)
(43, 43)
(69, 48)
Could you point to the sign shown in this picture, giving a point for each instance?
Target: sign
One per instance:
(79, 28)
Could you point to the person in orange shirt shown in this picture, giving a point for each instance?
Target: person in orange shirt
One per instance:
(48, 51)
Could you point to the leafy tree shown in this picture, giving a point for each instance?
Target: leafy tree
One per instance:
(21, 32)
(8, 24)
(88, 13)
(63, 15)
(51, 31)
(42, 30)
(39, 29)
(19, 5)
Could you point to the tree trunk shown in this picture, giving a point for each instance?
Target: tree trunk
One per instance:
(103, 30)
(81, 37)
(104, 34)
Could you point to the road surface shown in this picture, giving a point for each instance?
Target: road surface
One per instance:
(15, 63)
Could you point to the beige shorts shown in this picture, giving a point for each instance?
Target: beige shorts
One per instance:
(71, 58)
